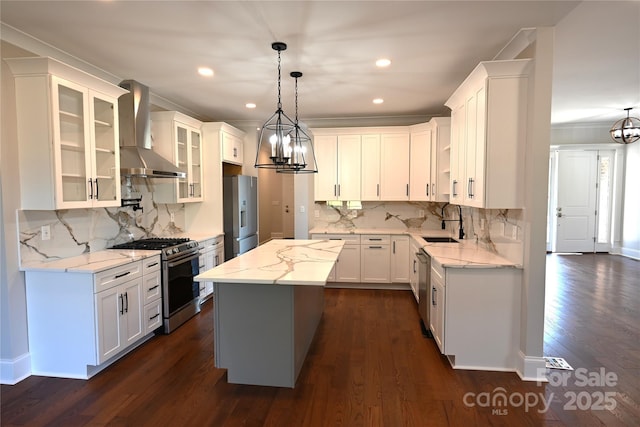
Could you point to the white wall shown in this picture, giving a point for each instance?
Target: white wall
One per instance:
(631, 203)
(14, 347)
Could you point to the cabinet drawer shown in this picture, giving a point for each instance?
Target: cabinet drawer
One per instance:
(375, 239)
(152, 316)
(151, 286)
(151, 264)
(349, 239)
(117, 275)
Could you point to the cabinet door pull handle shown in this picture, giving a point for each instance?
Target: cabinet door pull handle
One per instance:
(427, 190)
(335, 190)
(375, 239)
(433, 296)
(154, 316)
(338, 190)
(152, 265)
(97, 188)
(414, 266)
(433, 190)
(453, 188)
(117, 276)
(126, 300)
(121, 305)
(90, 181)
(407, 190)
(378, 190)
(375, 247)
(154, 287)
(394, 247)
(471, 188)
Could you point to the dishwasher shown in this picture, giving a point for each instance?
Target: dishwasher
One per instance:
(424, 280)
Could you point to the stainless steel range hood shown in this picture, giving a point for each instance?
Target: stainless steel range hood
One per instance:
(136, 156)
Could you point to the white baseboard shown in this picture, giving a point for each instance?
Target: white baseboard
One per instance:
(14, 371)
(531, 368)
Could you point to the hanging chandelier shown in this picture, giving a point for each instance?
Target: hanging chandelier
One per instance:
(302, 158)
(627, 130)
(277, 129)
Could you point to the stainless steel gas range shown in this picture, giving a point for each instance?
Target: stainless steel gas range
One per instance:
(180, 294)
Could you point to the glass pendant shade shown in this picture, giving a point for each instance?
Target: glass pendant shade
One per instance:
(627, 130)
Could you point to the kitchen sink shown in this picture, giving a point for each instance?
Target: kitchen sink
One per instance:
(439, 239)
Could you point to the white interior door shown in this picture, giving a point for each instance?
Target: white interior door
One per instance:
(576, 206)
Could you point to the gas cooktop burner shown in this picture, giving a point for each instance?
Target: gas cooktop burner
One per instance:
(155, 243)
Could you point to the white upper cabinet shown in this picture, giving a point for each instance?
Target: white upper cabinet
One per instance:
(394, 166)
(338, 158)
(370, 185)
(429, 161)
(178, 138)
(488, 135)
(67, 123)
(232, 147)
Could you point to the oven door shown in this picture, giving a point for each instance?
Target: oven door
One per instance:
(179, 288)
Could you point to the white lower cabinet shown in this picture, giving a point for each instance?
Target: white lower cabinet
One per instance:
(81, 322)
(475, 316)
(152, 294)
(413, 268)
(211, 255)
(399, 262)
(375, 259)
(119, 318)
(347, 267)
(436, 315)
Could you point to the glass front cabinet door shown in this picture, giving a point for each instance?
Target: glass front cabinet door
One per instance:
(68, 137)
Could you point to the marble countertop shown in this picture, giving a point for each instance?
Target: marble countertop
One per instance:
(279, 262)
(93, 262)
(464, 254)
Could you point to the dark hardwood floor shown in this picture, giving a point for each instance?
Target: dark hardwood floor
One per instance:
(369, 366)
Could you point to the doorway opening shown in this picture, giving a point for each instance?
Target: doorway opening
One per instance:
(582, 199)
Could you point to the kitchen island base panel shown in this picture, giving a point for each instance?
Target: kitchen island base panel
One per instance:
(263, 333)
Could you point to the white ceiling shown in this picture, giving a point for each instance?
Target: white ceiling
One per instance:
(433, 46)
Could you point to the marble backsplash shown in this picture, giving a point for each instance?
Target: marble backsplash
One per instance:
(77, 231)
(499, 231)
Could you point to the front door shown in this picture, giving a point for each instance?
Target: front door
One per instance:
(576, 203)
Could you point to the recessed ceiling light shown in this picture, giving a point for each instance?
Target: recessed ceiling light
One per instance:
(205, 71)
(250, 105)
(378, 101)
(383, 62)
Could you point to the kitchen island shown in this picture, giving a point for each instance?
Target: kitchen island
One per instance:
(267, 306)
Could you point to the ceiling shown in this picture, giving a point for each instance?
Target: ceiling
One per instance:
(433, 45)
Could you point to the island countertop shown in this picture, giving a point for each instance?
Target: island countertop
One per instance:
(279, 262)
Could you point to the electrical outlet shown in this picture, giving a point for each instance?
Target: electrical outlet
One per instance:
(45, 232)
(514, 233)
(172, 217)
(302, 209)
(420, 213)
(481, 224)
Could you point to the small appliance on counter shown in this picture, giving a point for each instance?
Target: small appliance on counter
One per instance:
(180, 293)
(240, 205)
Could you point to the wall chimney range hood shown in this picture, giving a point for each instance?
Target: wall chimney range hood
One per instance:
(136, 156)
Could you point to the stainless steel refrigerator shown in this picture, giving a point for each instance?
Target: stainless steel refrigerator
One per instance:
(240, 199)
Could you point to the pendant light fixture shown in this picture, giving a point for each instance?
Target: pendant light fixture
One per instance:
(302, 158)
(627, 130)
(276, 130)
